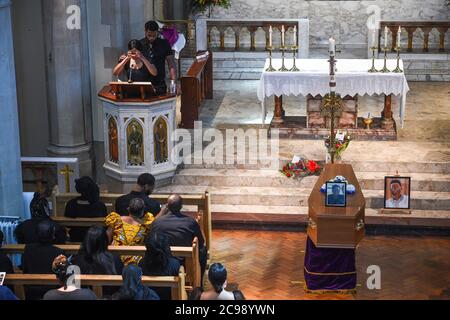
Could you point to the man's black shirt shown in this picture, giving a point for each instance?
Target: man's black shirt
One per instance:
(123, 202)
(156, 53)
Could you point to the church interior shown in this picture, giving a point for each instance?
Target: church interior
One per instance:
(225, 150)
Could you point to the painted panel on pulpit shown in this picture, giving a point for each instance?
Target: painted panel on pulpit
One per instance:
(113, 140)
(135, 141)
(160, 136)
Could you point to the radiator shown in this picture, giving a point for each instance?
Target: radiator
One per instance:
(7, 226)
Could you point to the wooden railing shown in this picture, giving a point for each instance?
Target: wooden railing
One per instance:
(190, 255)
(177, 284)
(196, 86)
(237, 26)
(201, 201)
(411, 27)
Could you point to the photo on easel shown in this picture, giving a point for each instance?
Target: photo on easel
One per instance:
(397, 192)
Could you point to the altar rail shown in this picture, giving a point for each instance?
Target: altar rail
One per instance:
(206, 27)
(196, 86)
(411, 27)
(190, 255)
(177, 284)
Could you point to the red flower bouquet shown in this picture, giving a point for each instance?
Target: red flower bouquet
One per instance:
(302, 168)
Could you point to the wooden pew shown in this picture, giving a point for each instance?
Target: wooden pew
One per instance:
(201, 201)
(190, 254)
(177, 284)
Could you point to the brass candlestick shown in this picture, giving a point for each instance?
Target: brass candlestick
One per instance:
(385, 69)
(294, 52)
(283, 66)
(398, 70)
(270, 68)
(373, 69)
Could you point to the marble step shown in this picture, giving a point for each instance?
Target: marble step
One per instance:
(276, 196)
(273, 178)
(245, 214)
(361, 166)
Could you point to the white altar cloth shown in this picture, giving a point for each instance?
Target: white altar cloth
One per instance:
(352, 77)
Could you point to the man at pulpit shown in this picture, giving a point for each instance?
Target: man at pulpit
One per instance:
(134, 66)
(158, 50)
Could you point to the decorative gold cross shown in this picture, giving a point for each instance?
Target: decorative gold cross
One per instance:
(66, 172)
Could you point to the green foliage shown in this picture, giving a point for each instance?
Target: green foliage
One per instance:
(202, 5)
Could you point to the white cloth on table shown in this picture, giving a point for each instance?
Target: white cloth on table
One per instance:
(352, 78)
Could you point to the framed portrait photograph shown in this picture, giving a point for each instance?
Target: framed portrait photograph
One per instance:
(336, 195)
(397, 191)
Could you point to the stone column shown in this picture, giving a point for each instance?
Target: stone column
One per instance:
(67, 52)
(11, 203)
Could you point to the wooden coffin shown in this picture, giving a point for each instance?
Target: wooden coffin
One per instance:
(336, 227)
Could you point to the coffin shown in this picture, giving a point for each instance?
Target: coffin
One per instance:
(335, 227)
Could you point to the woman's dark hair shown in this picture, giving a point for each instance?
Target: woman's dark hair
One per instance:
(217, 275)
(238, 295)
(196, 294)
(94, 252)
(46, 231)
(88, 189)
(59, 268)
(136, 208)
(135, 44)
(132, 288)
(158, 252)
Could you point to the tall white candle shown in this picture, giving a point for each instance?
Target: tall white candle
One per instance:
(295, 36)
(385, 36)
(270, 36)
(374, 36)
(282, 35)
(399, 35)
(332, 46)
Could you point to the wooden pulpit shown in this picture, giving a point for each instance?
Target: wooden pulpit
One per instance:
(336, 227)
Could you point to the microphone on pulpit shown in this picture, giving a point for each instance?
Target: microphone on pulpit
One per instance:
(129, 76)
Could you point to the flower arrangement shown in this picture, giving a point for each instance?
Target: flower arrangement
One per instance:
(341, 143)
(300, 167)
(202, 5)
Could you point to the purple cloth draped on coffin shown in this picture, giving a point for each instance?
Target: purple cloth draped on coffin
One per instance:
(170, 34)
(329, 269)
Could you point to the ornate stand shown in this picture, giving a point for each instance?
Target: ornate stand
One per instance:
(398, 70)
(373, 69)
(283, 66)
(294, 53)
(270, 68)
(385, 69)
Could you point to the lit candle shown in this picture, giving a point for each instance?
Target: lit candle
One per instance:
(282, 35)
(295, 35)
(332, 46)
(399, 35)
(385, 36)
(270, 36)
(374, 36)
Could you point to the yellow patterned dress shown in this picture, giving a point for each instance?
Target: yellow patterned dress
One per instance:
(125, 234)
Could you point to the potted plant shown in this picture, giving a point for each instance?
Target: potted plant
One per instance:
(208, 5)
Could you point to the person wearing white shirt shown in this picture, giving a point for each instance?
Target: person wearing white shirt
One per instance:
(398, 200)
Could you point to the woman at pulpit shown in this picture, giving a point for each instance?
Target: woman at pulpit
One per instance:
(134, 66)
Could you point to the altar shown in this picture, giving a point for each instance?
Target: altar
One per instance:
(138, 126)
(353, 79)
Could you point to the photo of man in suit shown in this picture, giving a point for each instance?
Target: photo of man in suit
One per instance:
(337, 197)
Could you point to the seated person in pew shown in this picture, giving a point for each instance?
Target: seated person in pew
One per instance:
(5, 262)
(132, 288)
(181, 229)
(195, 294)
(217, 276)
(67, 291)
(87, 205)
(26, 232)
(158, 261)
(134, 66)
(129, 230)
(143, 189)
(38, 257)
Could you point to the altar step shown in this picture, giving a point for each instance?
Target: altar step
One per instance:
(276, 196)
(273, 178)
